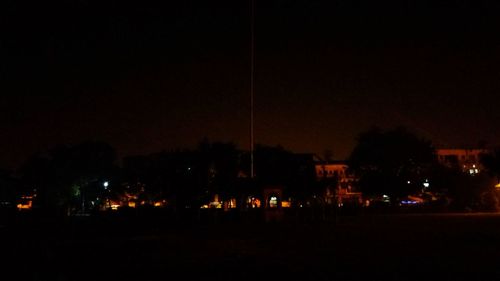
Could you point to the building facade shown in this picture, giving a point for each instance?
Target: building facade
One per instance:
(468, 160)
(343, 190)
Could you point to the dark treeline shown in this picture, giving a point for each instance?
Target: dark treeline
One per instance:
(397, 163)
(86, 178)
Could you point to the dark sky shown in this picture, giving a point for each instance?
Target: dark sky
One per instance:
(146, 77)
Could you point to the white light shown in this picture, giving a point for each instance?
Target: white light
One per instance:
(426, 184)
(409, 182)
(105, 184)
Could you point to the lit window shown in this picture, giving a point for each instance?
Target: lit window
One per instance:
(255, 203)
(273, 202)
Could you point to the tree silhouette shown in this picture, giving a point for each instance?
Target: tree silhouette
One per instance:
(70, 177)
(9, 189)
(219, 166)
(491, 161)
(392, 162)
(275, 165)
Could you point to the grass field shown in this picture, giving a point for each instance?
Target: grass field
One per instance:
(365, 247)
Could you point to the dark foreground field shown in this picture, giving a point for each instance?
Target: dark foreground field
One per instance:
(375, 247)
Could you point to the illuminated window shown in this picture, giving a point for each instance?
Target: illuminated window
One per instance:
(273, 202)
(255, 203)
(232, 203)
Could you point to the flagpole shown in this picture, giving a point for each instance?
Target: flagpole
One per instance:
(252, 70)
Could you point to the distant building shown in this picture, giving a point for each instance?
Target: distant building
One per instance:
(345, 190)
(332, 169)
(467, 160)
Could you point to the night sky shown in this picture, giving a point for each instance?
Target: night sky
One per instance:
(146, 77)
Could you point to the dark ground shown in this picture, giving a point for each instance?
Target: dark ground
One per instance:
(363, 247)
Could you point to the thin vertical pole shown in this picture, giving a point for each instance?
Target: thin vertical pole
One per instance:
(252, 70)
